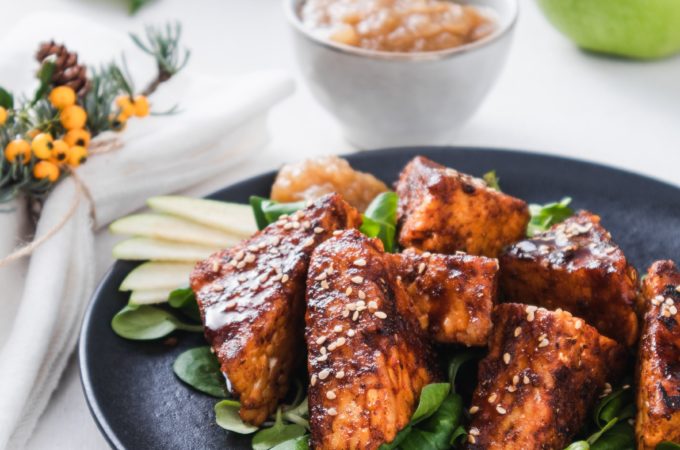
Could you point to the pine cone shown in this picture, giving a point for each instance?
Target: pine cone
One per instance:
(67, 70)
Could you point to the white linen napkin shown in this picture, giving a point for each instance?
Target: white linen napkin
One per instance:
(220, 124)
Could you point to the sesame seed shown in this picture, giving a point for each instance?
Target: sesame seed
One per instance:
(380, 315)
(360, 303)
(313, 380)
(492, 398)
(348, 291)
(351, 306)
(340, 342)
(263, 277)
(337, 232)
(506, 358)
(321, 340)
(362, 295)
(515, 379)
(345, 313)
(249, 258)
(239, 256)
(543, 343)
(355, 316)
(332, 412)
(340, 374)
(321, 277)
(578, 324)
(518, 331)
(276, 240)
(322, 357)
(474, 409)
(233, 263)
(288, 226)
(372, 304)
(351, 333)
(217, 287)
(330, 270)
(426, 254)
(274, 251)
(361, 262)
(324, 374)
(216, 266)
(285, 278)
(421, 267)
(296, 224)
(526, 380)
(471, 439)
(626, 387)
(511, 388)
(318, 230)
(673, 309)
(283, 216)
(666, 313)
(332, 346)
(323, 350)
(324, 284)
(677, 288)
(357, 279)
(669, 301)
(242, 279)
(501, 410)
(241, 265)
(531, 308)
(337, 328)
(361, 308)
(330, 395)
(530, 317)
(306, 225)
(474, 431)
(308, 243)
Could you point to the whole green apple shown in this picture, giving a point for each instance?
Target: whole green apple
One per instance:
(632, 28)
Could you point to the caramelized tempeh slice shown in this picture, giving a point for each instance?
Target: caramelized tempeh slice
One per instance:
(575, 266)
(658, 375)
(454, 295)
(251, 299)
(539, 380)
(367, 362)
(442, 210)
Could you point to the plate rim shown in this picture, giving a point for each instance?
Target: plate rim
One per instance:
(86, 382)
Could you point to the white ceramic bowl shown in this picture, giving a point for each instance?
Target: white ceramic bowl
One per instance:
(385, 99)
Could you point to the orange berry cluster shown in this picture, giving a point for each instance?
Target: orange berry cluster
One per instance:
(130, 107)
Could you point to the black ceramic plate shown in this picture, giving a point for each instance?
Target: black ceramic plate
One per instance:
(139, 404)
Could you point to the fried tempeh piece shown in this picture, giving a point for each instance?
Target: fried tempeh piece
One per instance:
(576, 266)
(454, 295)
(367, 361)
(658, 374)
(251, 298)
(541, 377)
(442, 210)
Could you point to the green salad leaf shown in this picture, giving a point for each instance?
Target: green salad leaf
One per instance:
(144, 322)
(6, 99)
(380, 219)
(668, 446)
(226, 416)
(199, 368)
(492, 180)
(431, 398)
(457, 361)
(277, 434)
(545, 216)
(617, 405)
(185, 301)
(299, 443)
(268, 211)
(436, 431)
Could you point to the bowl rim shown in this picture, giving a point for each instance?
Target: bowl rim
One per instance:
(290, 10)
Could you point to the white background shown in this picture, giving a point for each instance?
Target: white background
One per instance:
(551, 97)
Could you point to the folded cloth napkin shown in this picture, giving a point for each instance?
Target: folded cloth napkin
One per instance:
(221, 122)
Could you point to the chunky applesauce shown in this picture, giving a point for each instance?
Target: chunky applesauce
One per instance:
(396, 25)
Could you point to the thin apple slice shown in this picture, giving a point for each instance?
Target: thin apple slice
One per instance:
(157, 275)
(149, 297)
(140, 249)
(233, 218)
(170, 228)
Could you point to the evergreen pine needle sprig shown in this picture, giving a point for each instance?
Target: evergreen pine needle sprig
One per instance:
(45, 135)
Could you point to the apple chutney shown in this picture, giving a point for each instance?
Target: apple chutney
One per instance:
(397, 25)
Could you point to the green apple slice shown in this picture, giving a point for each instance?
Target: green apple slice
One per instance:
(153, 276)
(163, 226)
(232, 218)
(149, 297)
(140, 249)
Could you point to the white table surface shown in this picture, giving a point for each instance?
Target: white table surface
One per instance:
(551, 98)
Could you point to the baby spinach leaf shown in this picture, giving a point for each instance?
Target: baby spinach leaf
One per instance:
(185, 300)
(380, 219)
(297, 414)
(667, 446)
(436, 431)
(277, 434)
(299, 443)
(458, 436)
(579, 445)
(617, 405)
(458, 360)
(492, 180)
(621, 436)
(545, 216)
(226, 416)
(268, 211)
(199, 368)
(431, 398)
(144, 322)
